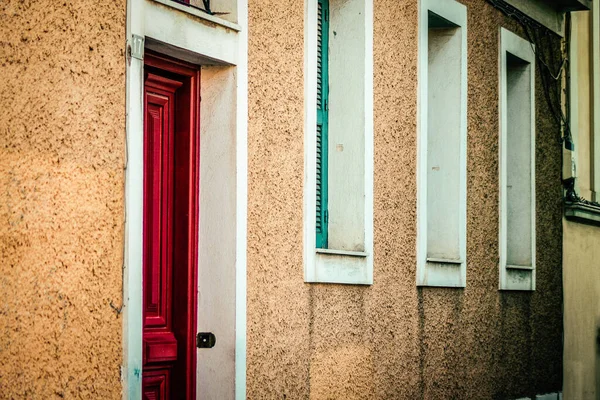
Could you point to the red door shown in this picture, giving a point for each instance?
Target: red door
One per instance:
(171, 169)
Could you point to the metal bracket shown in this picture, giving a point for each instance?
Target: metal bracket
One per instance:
(137, 47)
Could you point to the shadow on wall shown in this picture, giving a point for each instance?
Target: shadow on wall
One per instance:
(515, 347)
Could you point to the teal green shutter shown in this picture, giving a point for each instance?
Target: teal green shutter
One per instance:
(322, 119)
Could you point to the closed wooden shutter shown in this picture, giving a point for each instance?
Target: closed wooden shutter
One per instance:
(322, 120)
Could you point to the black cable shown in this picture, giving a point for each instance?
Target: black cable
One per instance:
(549, 78)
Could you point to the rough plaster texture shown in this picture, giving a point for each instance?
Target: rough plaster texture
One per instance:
(62, 124)
(392, 339)
(581, 263)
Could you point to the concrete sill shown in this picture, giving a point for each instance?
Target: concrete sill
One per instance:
(443, 261)
(342, 252)
(521, 267)
(200, 14)
(583, 213)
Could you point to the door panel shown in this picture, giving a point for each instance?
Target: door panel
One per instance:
(155, 385)
(171, 162)
(158, 196)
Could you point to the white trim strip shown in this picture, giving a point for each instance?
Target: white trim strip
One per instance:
(134, 184)
(369, 140)
(241, 203)
(310, 138)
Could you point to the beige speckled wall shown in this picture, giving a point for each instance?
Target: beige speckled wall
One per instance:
(391, 339)
(582, 318)
(62, 131)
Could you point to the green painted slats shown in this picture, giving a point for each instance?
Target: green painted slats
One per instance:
(322, 120)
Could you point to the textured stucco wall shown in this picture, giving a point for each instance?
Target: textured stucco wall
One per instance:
(62, 127)
(581, 273)
(391, 339)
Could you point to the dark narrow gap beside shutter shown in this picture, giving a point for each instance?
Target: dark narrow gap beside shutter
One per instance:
(322, 120)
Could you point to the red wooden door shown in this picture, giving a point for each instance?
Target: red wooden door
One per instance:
(171, 163)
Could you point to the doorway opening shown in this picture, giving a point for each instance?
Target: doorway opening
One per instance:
(170, 227)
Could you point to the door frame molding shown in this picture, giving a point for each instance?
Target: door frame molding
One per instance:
(215, 45)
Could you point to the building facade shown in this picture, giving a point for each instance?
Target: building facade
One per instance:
(266, 199)
(581, 234)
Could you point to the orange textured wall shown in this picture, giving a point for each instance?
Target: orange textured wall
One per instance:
(392, 339)
(62, 131)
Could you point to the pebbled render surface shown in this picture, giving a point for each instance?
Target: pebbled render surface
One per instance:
(62, 102)
(391, 339)
(62, 132)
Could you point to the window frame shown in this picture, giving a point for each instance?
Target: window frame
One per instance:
(431, 273)
(328, 265)
(524, 50)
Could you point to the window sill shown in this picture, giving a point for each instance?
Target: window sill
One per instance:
(443, 261)
(342, 252)
(200, 14)
(520, 267)
(583, 212)
(339, 266)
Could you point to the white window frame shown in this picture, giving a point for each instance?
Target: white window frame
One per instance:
(330, 265)
(521, 48)
(430, 273)
(177, 31)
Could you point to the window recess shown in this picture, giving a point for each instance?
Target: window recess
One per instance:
(338, 141)
(226, 9)
(442, 134)
(517, 163)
